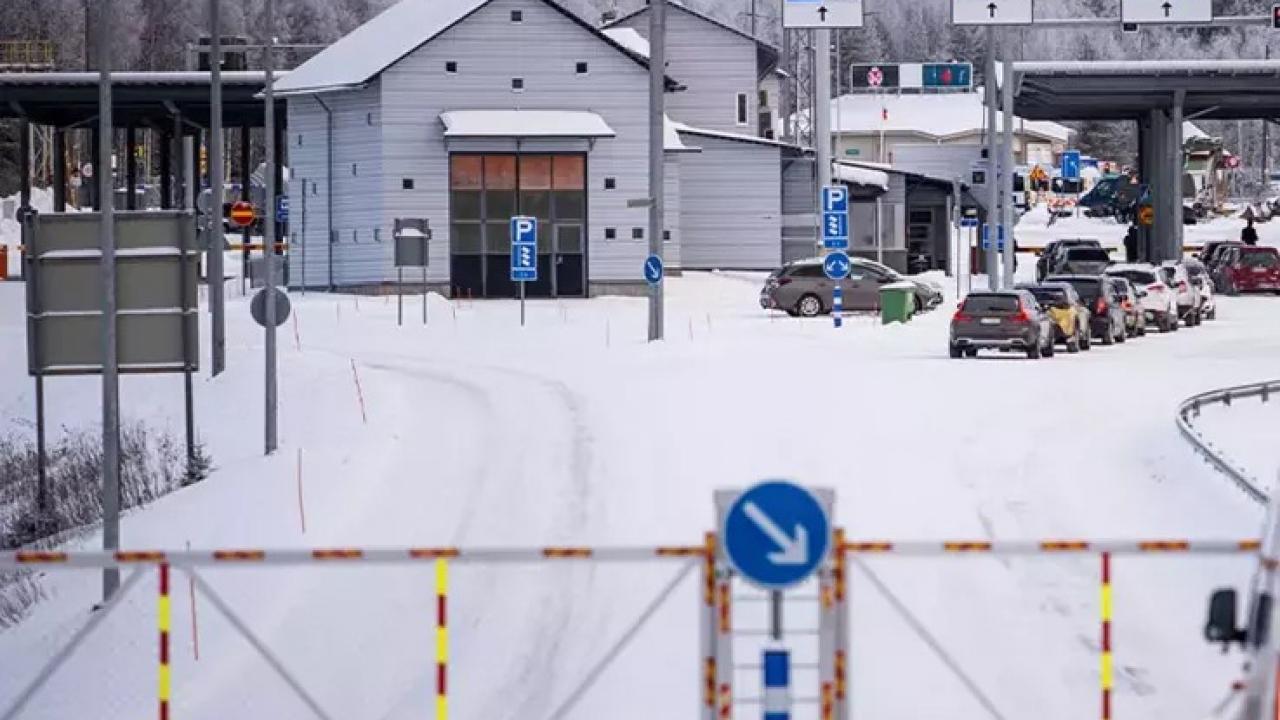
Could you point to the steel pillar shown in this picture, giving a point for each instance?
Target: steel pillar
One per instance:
(59, 170)
(1175, 175)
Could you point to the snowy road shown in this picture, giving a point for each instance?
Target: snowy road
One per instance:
(576, 431)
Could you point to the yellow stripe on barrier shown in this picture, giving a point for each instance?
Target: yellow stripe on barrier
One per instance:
(164, 682)
(442, 644)
(1106, 671)
(442, 576)
(163, 614)
(442, 708)
(1106, 602)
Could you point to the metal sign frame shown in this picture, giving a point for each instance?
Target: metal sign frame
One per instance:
(1157, 12)
(156, 315)
(412, 238)
(822, 14)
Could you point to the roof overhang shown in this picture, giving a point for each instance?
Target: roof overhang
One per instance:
(1129, 90)
(524, 124)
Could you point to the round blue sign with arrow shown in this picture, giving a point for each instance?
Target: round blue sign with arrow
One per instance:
(653, 269)
(836, 266)
(776, 534)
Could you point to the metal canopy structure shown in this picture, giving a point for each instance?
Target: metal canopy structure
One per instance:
(1157, 95)
(140, 99)
(1129, 90)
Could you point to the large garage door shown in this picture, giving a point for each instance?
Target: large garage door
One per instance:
(486, 190)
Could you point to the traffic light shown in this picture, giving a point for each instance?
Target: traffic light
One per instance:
(1275, 17)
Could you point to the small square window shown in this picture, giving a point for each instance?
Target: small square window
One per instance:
(610, 183)
(355, 168)
(666, 236)
(582, 68)
(517, 84)
(637, 233)
(610, 234)
(406, 184)
(517, 16)
(299, 139)
(451, 66)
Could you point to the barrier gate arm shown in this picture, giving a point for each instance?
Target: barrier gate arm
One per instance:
(1262, 649)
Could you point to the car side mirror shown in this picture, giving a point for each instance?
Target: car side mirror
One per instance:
(1221, 626)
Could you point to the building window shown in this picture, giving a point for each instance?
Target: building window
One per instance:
(742, 109)
(581, 68)
(764, 98)
(610, 233)
(637, 233)
(299, 139)
(451, 66)
(517, 84)
(368, 118)
(406, 184)
(666, 236)
(610, 183)
(517, 16)
(355, 169)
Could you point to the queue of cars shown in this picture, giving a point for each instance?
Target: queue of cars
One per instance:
(1081, 297)
(1237, 268)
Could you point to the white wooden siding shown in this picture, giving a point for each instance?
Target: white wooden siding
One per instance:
(714, 64)
(671, 210)
(731, 205)
(543, 49)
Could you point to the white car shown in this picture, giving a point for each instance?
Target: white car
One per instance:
(1175, 275)
(1199, 275)
(1159, 301)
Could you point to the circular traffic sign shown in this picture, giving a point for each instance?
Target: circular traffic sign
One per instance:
(242, 214)
(875, 77)
(653, 269)
(836, 266)
(776, 534)
(258, 307)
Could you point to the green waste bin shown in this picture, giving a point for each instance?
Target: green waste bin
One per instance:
(897, 302)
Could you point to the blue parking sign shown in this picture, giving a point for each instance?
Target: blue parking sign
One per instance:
(524, 249)
(835, 199)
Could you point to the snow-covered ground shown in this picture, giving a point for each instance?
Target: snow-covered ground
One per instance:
(574, 430)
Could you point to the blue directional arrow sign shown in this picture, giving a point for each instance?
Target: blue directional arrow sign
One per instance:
(836, 266)
(653, 269)
(524, 249)
(1071, 165)
(776, 534)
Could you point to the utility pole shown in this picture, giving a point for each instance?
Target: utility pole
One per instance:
(1006, 172)
(657, 110)
(993, 185)
(110, 366)
(822, 104)
(269, 232)
(1266, 143)
(214, 270)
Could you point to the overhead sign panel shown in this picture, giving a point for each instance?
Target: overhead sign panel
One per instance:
(992, 12)
(873, 76)
(821, 13)
(1166, 11)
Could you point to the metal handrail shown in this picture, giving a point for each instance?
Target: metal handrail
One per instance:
(1190, 408)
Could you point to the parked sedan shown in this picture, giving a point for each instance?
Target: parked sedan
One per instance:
(1008, 320)
(1069, 316)
(1099, 295)
(1250, 269)
(1130, 299)
(1160, 303)
(802, 288)
(928, 294)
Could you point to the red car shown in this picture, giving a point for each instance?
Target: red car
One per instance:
(1251, 269)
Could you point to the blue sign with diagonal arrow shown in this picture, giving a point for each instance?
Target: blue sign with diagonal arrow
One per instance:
(776, 534)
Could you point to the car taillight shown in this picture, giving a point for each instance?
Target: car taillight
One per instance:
(961, 316)
(1127, 304)
(1182, 284)
(1021, 318)
(782, 281)
(1100, 306)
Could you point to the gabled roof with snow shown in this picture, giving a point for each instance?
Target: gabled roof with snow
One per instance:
(934, 115)
(363, 54)
(677, 4)
(630, 39)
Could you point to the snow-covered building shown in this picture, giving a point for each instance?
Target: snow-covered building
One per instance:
(467, 112)
(869, 127)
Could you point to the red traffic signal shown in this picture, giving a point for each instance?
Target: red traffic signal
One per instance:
(1275, 17)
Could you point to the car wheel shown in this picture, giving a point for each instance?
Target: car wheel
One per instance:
(1142, 329)
(793, 312)
(1087, 339)
(956, 353)
(1073, 345)
(809, 306)
(1033, 352)
(1122, 335)
(1213, 314)
(1049, 349)
(1108, 338)
(1174, 322)
(917, 306)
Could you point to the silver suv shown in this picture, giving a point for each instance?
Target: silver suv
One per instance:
(802, 289)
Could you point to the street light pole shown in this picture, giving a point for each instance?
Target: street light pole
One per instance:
(215, 270)
(110, 366)
(269, 235)
(657, 120)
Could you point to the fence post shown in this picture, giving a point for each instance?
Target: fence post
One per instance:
(442, 638)
(163, 617)
(708, 636)
(1106, 671)
(841, 576)
(724, 641)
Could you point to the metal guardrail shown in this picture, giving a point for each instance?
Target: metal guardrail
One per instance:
(1190, 409)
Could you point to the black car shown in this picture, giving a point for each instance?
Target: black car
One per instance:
(1049, 256)
(1109, 321)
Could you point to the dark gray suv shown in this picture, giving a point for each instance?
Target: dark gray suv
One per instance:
(1001, 320)
(802, 288)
